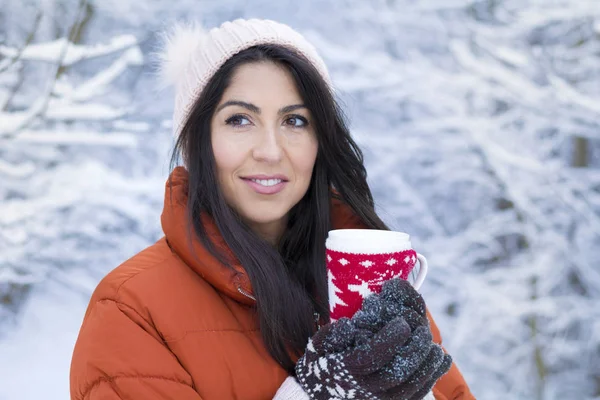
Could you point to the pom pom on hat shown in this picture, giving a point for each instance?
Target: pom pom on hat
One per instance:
(178, 45)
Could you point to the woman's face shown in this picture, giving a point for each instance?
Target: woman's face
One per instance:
(264, 145)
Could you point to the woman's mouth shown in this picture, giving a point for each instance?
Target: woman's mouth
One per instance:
(266, 185)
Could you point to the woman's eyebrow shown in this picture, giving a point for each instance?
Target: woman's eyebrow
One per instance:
(248, 106)
(255, 109)
(291, 108)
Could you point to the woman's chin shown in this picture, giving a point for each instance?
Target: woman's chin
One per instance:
(264, 217)
(264, 220)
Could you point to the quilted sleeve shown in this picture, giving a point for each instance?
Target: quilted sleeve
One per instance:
(451, 386)
(119, 355)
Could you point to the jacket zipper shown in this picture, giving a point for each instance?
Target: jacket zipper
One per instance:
(245, 294)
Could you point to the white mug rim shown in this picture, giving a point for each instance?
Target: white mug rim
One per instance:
(372, 241)
(369, 233)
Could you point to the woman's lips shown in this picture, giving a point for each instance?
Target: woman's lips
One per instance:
(262, 189)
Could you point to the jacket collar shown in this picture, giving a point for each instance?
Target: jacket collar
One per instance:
(179, 234)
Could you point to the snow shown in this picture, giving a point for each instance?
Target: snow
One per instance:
(51, 51)
(38, 349)
(98, 83)
(14, 121)
(568, 94)
(49, 137)
(137, 126)
(60, 110)
(19, 170)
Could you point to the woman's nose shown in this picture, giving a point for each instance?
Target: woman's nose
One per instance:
(268, 148)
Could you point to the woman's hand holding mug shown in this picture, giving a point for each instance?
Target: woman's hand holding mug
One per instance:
(385, 351)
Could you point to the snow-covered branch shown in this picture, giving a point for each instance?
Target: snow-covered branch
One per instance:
(50, 52)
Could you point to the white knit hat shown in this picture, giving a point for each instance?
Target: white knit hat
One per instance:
(191, 55)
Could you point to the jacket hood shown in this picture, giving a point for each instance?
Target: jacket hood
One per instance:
(233, 282)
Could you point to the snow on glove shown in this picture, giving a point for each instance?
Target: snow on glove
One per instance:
(336, 366)
(414, 371)
(421, 362)
(397, 298)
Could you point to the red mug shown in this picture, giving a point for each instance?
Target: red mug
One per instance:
(359, 261)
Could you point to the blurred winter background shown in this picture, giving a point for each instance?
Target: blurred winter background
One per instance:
(480, 120)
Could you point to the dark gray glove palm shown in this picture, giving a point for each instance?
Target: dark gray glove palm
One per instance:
(384, 352)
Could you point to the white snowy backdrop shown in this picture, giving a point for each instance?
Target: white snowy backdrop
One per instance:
(480, 121)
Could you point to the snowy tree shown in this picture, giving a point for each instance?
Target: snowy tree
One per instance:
(485, 112)
(55, 105)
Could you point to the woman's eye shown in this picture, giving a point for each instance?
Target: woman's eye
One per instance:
(297, 121)
(238, 120)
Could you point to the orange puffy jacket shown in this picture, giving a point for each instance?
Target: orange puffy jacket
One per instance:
(171, 324)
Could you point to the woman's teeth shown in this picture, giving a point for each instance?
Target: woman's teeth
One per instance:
(267, 182)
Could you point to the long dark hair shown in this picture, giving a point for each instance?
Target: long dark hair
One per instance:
(289, 282)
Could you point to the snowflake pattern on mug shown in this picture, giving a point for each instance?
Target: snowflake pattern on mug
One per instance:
(353, 277)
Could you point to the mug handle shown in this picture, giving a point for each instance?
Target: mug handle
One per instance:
(422, 271)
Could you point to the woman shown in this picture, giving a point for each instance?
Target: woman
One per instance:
(224, 305)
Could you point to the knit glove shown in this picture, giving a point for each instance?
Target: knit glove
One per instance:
(397, 299)
(336, 366)
(384, 352)
(419, 364)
